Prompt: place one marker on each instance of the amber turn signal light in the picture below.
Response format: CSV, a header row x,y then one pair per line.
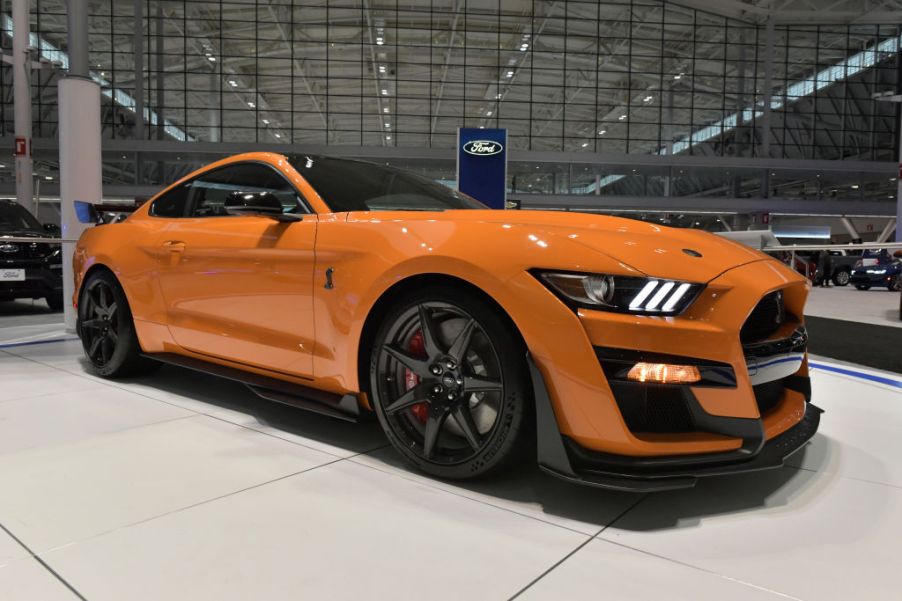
x,y
664,373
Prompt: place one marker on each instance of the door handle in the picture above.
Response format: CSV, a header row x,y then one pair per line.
x,y
174,246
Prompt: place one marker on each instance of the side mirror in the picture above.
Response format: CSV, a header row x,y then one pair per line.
x,y
264,204
52,229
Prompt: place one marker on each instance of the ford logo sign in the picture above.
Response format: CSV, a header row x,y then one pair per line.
x,y
483,148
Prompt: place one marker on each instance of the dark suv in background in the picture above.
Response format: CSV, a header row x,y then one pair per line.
x,y
29,269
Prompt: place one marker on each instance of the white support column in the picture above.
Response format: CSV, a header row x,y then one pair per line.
x,y
22,104
79,135
850,228
891,224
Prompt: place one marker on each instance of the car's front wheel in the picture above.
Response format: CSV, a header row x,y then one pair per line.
x,y
841,278
107,329
55,302
449,384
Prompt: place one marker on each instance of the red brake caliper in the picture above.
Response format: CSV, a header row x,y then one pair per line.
x,y
417,348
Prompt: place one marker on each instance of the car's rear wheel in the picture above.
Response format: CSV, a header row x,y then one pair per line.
x,y
108,330
841,278
862,286
449,384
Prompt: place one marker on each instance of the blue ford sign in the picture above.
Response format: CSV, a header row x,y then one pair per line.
x,y
482,164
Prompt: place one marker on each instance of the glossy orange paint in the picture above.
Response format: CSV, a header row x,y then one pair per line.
x,y
250,292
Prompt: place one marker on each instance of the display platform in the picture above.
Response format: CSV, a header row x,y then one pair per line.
x,y
184,486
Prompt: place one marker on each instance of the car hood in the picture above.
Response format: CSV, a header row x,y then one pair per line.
x,y
655,250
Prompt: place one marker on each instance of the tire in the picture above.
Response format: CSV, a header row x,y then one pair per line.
x,y
841,278
107,329
55,303
862,286
453,395
896,284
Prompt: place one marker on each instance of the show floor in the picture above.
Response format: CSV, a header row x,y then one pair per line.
x,y
183,486
877,306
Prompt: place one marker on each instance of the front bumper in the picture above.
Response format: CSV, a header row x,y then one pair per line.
x,y
871,279
562,457
40,281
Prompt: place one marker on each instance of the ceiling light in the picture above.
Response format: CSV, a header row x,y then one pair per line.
x,y
524,47
381,68
509,74
585,144
48,177
854,186
384,92
602,132
679,76
648,98
212,59
278,135
388,125
385,110
266,122
251,104
488,113
233,83
388,137
622,118
379,41
498,96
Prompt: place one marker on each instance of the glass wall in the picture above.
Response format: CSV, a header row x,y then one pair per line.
x,y
610,76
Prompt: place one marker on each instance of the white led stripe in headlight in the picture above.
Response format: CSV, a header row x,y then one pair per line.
x,y
643,294
659,296
676,297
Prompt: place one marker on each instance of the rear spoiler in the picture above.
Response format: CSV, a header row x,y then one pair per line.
x,y
104,212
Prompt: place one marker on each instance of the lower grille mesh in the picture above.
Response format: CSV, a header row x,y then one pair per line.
x,y
653,409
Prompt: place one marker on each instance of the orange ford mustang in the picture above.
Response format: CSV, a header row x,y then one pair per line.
x,y
623,354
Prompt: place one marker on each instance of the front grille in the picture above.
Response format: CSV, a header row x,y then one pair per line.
x,y
766,318
23,250
768,395
653,408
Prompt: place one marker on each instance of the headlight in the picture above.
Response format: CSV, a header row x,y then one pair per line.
x,y
626,294
877,271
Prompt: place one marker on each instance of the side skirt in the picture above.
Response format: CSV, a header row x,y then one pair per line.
x,y
343,407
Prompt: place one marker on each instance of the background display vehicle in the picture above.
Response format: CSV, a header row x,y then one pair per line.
x,y
886,274
29,270
623,354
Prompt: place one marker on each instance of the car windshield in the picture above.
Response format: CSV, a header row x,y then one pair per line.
x,y
16,217
347,185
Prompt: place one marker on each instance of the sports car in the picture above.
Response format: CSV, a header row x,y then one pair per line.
x,y
613,352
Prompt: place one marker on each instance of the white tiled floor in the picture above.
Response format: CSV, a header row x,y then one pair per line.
x,y
183,486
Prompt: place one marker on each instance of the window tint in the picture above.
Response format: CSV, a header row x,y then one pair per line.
x,y
171,204
347,185
210,191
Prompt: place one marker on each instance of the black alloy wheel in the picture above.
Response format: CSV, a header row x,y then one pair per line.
x,y
107,329
100,328
448,384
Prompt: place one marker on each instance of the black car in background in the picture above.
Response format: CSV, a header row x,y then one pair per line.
x,y
29,269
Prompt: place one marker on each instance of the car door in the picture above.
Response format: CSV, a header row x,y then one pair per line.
x,y
239,287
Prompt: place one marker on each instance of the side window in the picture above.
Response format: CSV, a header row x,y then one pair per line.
x,y
171,204
210,191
